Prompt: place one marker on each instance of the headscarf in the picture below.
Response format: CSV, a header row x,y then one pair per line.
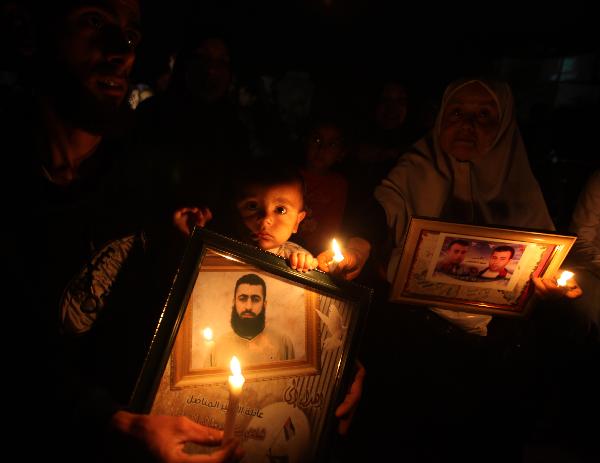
x,y
497,188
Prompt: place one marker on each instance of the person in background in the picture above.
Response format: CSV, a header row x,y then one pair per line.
x,y
326,186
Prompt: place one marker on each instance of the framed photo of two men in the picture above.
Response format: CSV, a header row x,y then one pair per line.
x,y
477,269
294,335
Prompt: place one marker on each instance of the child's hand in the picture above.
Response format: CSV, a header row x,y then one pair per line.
x,y
303,261
548,289
185,218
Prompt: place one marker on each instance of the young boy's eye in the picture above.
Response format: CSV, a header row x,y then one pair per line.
x,y
251,206
280,210
94,20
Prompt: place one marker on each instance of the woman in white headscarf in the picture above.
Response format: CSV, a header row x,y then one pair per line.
x,y
471,168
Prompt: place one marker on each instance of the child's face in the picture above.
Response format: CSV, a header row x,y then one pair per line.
x,y
325,147
271,214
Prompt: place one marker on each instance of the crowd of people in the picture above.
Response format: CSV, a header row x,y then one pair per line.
x,y
102,193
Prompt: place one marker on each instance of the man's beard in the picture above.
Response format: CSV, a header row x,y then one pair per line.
x,y
80,107
248,327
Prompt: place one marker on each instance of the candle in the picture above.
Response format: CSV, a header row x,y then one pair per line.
x,y
209,344
236,382
337,256
565,276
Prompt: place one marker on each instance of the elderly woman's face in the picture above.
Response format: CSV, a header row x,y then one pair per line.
x,y
470,123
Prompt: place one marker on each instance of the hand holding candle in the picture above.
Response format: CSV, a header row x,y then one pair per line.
x,y
351,263
236,383
564,286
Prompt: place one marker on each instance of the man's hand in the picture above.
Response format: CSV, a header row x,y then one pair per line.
x,y
185,218
345,411
303,261
164,437
355,254
548,289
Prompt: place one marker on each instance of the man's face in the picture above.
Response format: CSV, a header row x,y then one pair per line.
x,y
95,55
271,214
470,123
498,260
249,300
456,253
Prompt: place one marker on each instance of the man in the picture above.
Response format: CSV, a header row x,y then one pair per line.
x,y
451,264
64,198
71,182
251,341
501,256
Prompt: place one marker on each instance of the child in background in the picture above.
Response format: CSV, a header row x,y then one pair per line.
x,y
326,188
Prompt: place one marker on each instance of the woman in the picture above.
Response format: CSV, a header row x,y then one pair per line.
x,y
471,168
457,394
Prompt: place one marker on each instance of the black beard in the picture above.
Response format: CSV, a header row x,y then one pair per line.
x,y
248,327
78,106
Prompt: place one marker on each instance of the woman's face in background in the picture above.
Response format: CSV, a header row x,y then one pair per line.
x,y
470,123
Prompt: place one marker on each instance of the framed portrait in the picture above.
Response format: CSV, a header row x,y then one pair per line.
x,y
294,334
474,268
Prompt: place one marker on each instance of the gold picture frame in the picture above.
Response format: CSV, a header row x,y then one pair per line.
x,y
427,277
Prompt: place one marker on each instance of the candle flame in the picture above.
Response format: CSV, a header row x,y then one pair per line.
x,y
234,365
236,380
207,333
337,252
564,277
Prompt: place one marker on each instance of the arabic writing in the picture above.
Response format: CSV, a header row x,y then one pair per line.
x,y
301,399
241,410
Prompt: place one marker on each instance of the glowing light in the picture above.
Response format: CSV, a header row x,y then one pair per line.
x,y
207,333
337,252
564,278
236,380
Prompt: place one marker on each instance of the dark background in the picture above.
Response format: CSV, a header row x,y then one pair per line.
x,y
549,54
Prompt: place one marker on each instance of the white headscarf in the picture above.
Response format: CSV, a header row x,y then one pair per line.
x,y
497,188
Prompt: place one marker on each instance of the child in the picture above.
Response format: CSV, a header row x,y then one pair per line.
x,y
268,207
265,208
326,188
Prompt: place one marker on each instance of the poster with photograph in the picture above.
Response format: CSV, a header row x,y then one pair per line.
x,y
475,269
293,334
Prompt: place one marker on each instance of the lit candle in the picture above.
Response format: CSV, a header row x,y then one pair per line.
x,y
209,344
236,382
564,278
337,256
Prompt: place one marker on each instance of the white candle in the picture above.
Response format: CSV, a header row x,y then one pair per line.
x,y
564,278
236,382
209,344
337,256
